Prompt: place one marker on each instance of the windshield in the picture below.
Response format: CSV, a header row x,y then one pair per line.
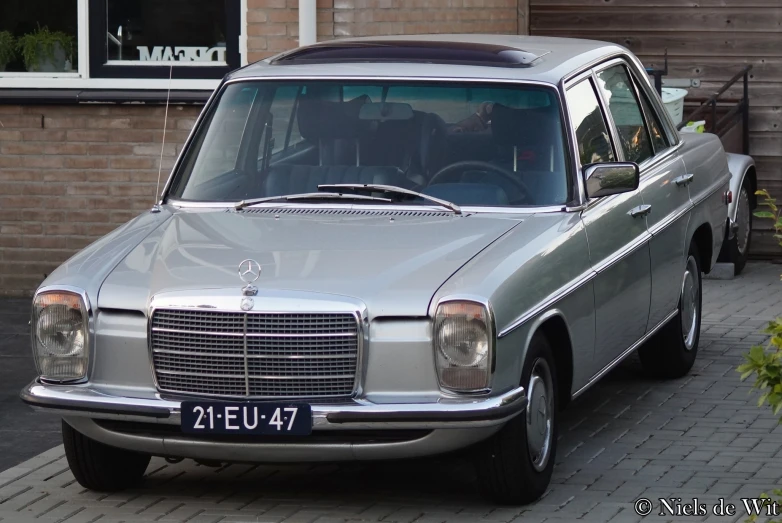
x,y
470,144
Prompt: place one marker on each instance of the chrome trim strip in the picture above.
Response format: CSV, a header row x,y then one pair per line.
x,y
179,204
246,362
587,68
259,377
706,194
187,144
395,78
258,356
663,224
550,300
623,253
594,379
260,335
447,412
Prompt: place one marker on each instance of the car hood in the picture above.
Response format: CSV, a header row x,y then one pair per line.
x,y
392,262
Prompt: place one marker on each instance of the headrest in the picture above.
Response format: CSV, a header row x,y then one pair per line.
x,y
523,126
320,119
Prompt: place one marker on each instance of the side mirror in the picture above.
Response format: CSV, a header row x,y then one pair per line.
x,y
605,179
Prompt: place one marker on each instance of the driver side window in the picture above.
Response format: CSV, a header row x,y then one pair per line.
x,y
592,137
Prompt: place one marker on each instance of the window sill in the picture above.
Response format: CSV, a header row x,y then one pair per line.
x,y
28,96
48,81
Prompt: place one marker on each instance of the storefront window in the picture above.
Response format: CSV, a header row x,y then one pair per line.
x,y
145,38
39,36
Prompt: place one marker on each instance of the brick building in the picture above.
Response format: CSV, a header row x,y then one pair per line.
x,y
81,129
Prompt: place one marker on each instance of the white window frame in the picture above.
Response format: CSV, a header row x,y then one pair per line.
x,y
82,80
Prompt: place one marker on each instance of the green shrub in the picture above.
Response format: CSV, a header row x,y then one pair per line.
x,y
765,363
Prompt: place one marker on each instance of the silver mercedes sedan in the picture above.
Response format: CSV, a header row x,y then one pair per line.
x,y
388,248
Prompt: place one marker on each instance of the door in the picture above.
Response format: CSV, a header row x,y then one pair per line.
x,y
617,236
663,184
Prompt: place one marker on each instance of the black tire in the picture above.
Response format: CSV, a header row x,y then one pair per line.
x,y
732,251
100,467
670,353
505,466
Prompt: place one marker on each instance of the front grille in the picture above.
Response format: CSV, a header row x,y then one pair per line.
x,y
257,355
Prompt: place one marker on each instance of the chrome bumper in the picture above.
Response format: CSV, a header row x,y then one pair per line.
x,y
463,412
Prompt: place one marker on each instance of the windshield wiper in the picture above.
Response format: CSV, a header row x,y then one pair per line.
x,y
389,189
309,196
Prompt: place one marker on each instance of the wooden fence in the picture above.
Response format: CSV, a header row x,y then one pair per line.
x,y
708,40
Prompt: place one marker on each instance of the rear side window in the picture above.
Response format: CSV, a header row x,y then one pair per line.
x,y
594,143
617,90
659,140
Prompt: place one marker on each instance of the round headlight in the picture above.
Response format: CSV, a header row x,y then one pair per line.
x,y
463,342
59,328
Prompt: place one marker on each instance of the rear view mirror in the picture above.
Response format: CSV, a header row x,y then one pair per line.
x,y
605,179
382,111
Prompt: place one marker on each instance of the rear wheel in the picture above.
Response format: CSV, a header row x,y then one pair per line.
x,y
672,351
515,465
100,467
736,251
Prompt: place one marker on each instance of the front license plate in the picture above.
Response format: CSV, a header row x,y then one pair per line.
x,y
213,417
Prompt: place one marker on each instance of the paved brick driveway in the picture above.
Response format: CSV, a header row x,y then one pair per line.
x,y
629,437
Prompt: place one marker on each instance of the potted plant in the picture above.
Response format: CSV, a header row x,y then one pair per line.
x,y
7,49
44,50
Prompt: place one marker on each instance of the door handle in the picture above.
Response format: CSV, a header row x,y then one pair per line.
x,y
641,210
684,180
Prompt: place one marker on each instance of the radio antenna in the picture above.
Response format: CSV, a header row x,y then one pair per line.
x,y
156,206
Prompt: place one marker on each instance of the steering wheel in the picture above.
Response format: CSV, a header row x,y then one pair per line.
x,y
467,165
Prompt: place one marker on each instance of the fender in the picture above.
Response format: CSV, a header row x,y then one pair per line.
x,y
739,165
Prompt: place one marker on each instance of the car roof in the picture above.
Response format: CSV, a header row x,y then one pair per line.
x,y
530,58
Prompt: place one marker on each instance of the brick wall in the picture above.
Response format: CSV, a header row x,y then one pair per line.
x,y
69,175
273,24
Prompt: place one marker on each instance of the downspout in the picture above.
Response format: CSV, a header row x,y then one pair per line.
x,y
308,29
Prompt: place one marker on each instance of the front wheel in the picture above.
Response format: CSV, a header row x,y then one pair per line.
x,y
672,351
515,465
99,467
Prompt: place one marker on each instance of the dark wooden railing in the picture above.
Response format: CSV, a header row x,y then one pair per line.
x,y
730,119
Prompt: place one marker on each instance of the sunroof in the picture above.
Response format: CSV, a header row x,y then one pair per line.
x,y
461,53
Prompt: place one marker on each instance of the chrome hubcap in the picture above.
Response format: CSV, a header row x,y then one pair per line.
x,y
690,303
742,221
539,414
